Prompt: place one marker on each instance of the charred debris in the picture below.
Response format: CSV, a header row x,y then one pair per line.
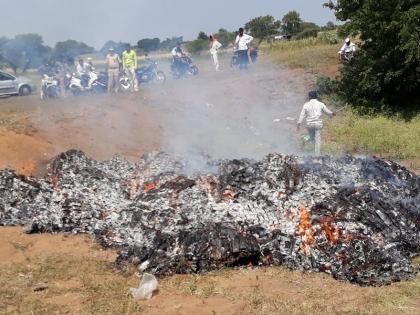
x,y
357,219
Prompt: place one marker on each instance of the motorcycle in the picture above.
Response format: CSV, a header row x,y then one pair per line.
x,y
183,67
50,87
149,73
346,56
80,84
234,61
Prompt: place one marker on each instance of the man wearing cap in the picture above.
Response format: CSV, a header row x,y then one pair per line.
x,y
312,112
129,61
347,48
113,66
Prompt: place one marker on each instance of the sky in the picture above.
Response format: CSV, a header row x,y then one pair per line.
x,y
96,21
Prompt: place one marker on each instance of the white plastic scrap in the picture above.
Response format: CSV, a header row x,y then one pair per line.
x,y
147,286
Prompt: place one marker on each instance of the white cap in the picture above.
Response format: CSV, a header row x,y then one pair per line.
x,y
347,40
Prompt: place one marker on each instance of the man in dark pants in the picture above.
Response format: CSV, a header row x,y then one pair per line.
x,y
241,45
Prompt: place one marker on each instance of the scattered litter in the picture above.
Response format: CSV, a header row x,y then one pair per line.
x,y
147,286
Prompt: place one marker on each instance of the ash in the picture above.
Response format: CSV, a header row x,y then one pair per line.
x,y
355,218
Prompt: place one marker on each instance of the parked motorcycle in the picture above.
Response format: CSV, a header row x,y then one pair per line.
x,y
80,84
253,54
149,73
50,87
183,67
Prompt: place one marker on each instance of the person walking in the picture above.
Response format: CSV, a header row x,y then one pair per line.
x,y
214,49
242,45
113,67
129,60
312,112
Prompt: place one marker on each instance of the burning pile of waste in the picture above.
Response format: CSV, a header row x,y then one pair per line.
x,y
355,218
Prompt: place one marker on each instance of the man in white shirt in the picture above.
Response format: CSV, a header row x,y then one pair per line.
x,y
214,49
347,50
312,112
178,61
241,45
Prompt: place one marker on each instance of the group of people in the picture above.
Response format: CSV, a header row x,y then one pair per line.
x,y
241,47
114,65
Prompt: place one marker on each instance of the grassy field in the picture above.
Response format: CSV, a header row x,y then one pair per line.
x,y
382,135
319,54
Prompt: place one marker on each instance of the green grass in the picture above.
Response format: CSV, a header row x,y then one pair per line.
x,y
386,136
314,53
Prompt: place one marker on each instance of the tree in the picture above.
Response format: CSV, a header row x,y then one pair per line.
x,y
197,45
202,36
169,43
263,27
291,23
149,44
385,70
225,37
23,52
69,49
119,47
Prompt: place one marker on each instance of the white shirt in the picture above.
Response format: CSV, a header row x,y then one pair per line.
x,y
312,111
176,52
347,48
242,42
215,46
82,69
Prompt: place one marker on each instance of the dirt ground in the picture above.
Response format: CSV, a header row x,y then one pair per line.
x,y
77,277
226,114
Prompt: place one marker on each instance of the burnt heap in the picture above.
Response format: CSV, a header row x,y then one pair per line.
x,y
355,218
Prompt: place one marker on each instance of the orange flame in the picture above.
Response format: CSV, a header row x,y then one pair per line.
x,y
149,186
305,230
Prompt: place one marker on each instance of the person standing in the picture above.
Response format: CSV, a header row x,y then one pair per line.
x,y
129,61
214,48
113,66
312,112
242,45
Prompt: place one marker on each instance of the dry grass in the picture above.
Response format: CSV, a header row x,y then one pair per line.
x,y
311,53
80,285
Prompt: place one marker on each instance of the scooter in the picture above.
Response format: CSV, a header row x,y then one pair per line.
x,y
50,87
80,84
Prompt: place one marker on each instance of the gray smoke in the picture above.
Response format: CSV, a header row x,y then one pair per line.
x,y
231,114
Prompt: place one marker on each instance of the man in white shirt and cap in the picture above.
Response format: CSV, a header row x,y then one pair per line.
x,y
312,112
347,50
241,45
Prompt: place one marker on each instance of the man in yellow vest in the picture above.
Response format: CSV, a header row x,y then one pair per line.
x,y
129,60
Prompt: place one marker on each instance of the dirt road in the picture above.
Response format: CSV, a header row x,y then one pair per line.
x,y
221,115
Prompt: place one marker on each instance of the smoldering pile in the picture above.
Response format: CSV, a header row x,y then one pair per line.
x,y
355,218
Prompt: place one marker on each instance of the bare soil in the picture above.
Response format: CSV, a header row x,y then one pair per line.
x,y
80,279
215,113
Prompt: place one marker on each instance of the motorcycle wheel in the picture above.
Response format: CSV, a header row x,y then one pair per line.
x,y
75,91
160,77
125,84
193,70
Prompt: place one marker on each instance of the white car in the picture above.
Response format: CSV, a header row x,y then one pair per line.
x,y
11,85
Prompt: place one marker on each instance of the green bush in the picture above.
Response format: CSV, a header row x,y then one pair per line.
x,y
307,33
198,45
